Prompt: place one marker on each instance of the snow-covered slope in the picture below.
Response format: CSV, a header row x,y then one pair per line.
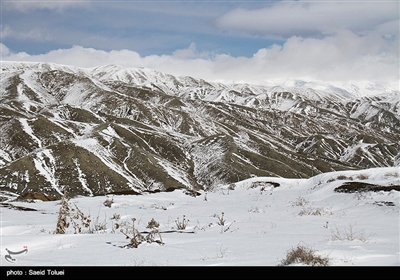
x,y
128,130
255,222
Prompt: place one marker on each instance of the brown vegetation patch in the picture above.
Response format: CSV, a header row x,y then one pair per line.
x,y
304,255
352,187
384,203
124,192
35,196
20,208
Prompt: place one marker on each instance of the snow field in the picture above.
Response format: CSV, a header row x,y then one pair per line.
x,y
259,225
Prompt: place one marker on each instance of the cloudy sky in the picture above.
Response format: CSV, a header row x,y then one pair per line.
x,y
241,41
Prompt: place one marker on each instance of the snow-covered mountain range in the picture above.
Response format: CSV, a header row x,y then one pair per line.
x,y
127,130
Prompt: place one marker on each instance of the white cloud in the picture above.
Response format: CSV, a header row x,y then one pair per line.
x,y
289,18
35,34
344,56
4,51
53,5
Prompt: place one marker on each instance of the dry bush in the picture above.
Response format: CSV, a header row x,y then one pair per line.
x,y
220,254
181,224
392,174
343,177
254,209
222,222
300,201
313,212
136,237
63,214
362,177
98,226
304,255
362,195
151,236
348,233
68,215
116,217
108,202
331,180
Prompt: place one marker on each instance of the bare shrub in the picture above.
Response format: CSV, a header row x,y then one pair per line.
x,y
181,224
313,212
220,254
68,215
203,228
157,206
153,226
63,214
116,217
343,177
254,209
300,201
136,237
222,222
108,202
348,233
392,174
304,255
98,226
362,195
362,177
384,203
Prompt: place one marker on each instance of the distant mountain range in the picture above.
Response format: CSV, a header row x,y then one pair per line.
x,y
110,129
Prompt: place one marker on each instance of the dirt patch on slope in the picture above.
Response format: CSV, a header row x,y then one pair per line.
x,y
352,187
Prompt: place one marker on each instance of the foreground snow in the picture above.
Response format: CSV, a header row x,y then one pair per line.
x,y
262,224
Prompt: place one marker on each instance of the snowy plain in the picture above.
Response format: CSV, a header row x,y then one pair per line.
x,y
260,224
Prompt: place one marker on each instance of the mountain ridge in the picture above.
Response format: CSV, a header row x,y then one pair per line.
x,y
109,129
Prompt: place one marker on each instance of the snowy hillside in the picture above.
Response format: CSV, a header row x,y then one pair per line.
x,y
114,130
255,222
